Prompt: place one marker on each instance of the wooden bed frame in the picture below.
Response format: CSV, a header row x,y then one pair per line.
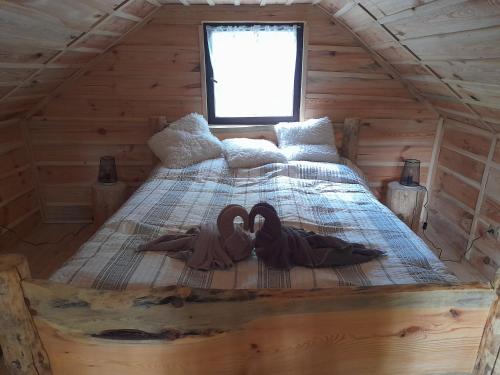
x,y
48,328
54,329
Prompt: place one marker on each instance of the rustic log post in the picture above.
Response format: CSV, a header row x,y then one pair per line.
x,y
21,346
489,349
350,138
406,202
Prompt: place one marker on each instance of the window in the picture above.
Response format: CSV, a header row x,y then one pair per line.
x,y
253,72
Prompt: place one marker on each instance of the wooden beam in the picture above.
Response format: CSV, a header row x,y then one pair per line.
x,y
431,175
22,349
351,138
84,327
480,198
127,16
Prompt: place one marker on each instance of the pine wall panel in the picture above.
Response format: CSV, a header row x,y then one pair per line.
x,y
465,201
19,205
156,71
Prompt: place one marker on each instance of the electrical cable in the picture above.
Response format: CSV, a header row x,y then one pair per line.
x,y
424,227
36,244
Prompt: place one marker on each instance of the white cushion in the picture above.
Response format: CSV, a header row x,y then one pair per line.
x,y
193,123
322,153
312,132
251,153
178,149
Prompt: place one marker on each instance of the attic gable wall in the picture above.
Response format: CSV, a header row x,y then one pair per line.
x,y
156,71
43,43
449,51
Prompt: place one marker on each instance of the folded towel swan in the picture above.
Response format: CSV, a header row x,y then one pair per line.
x,y
283,247
209,246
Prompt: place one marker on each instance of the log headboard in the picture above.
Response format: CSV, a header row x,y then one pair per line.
x,y
347,142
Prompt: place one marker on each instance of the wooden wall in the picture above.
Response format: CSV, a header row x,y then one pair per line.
x,y
446,51
465,199
156,71
19,205
43,43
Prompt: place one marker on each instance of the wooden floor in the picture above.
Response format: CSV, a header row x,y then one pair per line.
x,y
56,243
65,239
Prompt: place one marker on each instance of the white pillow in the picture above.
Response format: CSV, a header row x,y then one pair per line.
x,y
250,153
178,149
192,123
311,132
323,153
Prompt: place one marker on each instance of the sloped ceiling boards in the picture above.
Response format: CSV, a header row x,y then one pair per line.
x,y
447,50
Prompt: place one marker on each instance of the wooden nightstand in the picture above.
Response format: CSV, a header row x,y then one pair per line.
x,y
106,199
406,202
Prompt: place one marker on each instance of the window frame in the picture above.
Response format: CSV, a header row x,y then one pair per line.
x,y
209,84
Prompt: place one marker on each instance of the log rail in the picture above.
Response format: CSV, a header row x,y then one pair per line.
x,y
411,329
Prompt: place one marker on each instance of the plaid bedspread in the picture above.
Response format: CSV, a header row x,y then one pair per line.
x,y
323,197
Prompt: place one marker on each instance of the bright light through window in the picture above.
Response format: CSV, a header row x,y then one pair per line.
x,y
252,71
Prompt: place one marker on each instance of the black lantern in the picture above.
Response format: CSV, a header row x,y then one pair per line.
x,y
411,173
107,170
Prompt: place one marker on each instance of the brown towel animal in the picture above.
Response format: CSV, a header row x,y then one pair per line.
x,y
208,246
283,247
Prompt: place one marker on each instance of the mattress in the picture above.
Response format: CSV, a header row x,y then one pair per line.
x,y
330,199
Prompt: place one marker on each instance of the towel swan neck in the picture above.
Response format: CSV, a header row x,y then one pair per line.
x,y
225,220
272,222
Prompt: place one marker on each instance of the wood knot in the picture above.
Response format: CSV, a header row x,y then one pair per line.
x,y
16,364
101,131
454,313
410,330
255,347
486,260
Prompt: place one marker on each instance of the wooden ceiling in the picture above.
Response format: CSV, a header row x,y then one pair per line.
x,y
447,52
45,42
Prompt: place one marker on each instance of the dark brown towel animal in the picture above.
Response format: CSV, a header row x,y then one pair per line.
x,y
283,247
209,246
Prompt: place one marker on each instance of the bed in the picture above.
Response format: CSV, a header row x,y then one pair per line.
x,y
112,310
323,197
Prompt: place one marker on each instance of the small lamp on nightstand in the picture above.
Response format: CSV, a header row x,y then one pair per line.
x,y
410,176
405,197
107,170
108,194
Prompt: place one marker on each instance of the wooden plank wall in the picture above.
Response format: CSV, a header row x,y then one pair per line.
x,y
19,204
43,43
465,200
156,71
448,51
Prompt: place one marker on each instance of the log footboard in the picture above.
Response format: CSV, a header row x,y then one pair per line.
x,y
413,329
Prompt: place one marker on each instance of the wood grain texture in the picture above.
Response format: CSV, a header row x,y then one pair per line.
x,y
18,201
406,202
157,71
180,330
55,36
436,41
466,198
22,350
